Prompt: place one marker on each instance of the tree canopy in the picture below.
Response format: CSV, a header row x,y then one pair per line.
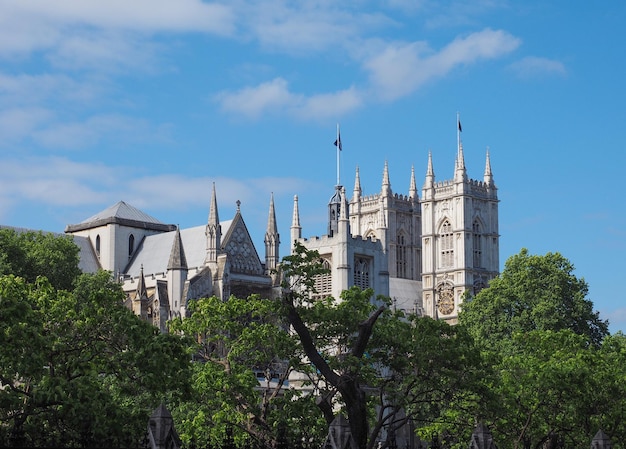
x,y
77,368
533,293
558,374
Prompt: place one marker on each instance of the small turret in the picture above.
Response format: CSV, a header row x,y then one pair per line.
x,y
356,196
460,174
213,231
430,173
386,187
272,240
412,186
488,177
296,229
334,210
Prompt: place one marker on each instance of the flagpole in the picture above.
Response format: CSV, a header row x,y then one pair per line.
x,y
458,133
338,150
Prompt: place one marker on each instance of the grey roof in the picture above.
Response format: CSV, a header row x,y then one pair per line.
x,y
124,211
124,214
88,262
154,251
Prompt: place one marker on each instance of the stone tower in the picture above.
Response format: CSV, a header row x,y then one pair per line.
x,y
460,240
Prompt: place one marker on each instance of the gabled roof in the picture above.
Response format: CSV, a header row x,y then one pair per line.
x,y
124,214
154,251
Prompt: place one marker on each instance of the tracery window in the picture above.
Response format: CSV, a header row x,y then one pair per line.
x,y
323,282
362,273
98,245
131,245
446,245
401,256
477,241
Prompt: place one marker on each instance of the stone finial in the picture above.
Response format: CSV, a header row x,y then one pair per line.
x,y
601,441
482,438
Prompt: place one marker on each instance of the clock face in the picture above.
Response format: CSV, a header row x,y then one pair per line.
x,y
446,302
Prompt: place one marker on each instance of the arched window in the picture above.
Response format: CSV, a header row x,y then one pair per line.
x,y
401,256
446,245
131,245
98,245
362,273
477,241
323,283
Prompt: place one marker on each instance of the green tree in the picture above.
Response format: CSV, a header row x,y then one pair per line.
x,y
559,372
30,254
382,367
244,356
77,368
533,293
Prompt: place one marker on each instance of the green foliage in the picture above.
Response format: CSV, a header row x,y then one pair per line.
x,y
244,355
77,367
31,254
533,293
381,367
558,373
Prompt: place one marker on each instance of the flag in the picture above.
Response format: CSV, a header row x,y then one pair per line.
x,y
459,122
338,141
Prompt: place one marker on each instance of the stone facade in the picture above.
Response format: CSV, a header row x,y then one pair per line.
x,y
162,267
424,253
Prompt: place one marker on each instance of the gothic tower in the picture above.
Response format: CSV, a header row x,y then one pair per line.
x,y
460,239
394,219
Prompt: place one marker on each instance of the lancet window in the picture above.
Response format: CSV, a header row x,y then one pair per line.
x,y
477,242
446,245
323,282
362,273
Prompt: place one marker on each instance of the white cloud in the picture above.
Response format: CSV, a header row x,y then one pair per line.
x,y
94,129
275,96
401,68
254,101
533,66
60,182
19,123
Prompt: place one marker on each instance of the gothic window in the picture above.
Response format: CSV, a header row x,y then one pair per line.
x,y
98,245
401,256
131,245
323,283
477,240
362,273
446,245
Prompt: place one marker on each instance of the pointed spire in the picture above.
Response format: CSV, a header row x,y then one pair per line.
x,y
272,228
141,291
460,173
412,186
177,261
430,173
488,178
213,214
343,210
296,229
386,188
213,231
272,239
295,221
357,185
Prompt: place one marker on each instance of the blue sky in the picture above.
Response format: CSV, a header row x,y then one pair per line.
x,y
151,101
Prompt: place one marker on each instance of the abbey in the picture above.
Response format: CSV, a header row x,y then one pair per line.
x,y
422,252
162,267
